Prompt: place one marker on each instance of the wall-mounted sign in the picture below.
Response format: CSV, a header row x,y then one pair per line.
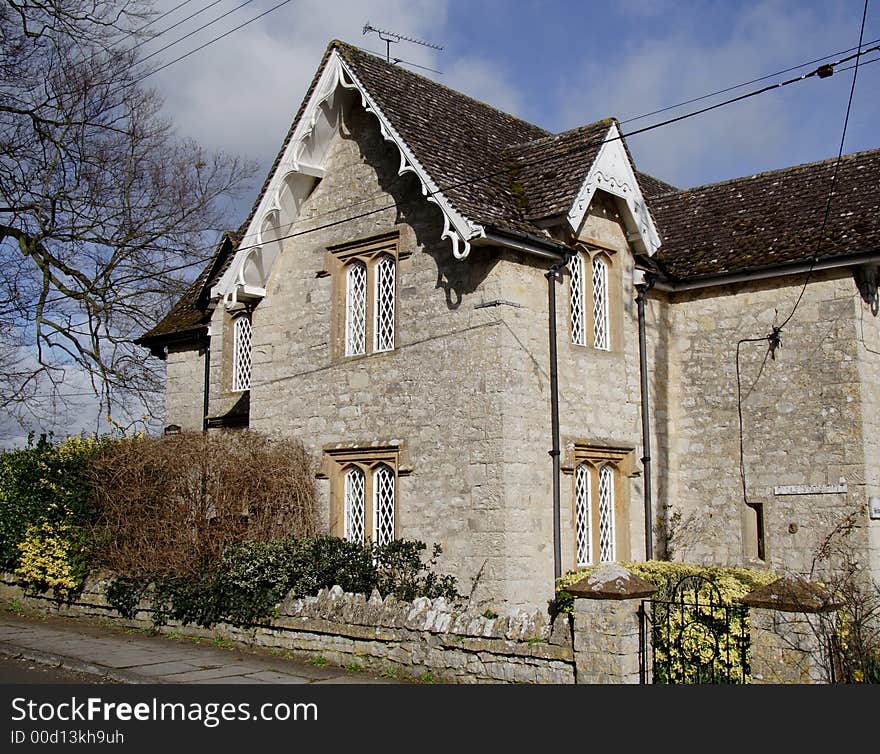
x,y
811,489
874,506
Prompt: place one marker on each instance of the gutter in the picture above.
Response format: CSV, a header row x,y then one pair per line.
x,y
761,273
543,248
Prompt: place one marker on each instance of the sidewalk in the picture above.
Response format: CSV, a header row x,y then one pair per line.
x,y
116,655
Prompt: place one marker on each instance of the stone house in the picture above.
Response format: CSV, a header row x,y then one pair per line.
x,y
387,301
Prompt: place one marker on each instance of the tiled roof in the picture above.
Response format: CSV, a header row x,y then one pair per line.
x,y
770,219
456,138
188,314
547,173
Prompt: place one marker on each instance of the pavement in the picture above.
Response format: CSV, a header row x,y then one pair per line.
x,y
116,655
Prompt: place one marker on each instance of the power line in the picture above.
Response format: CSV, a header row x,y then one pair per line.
x,y
822,72
739,86
773,339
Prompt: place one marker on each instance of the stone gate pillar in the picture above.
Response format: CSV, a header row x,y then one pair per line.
x,y
790,624
606,625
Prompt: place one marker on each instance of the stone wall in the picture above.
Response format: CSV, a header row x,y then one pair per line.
x,y
802,418
451,643
184,387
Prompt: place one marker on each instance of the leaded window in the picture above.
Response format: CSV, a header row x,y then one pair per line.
x,y
383,305
601,324
355,309
383,505
355,504
583,515
599,502
606,514
578,315
241,349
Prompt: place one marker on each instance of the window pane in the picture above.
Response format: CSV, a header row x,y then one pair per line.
x,y
578,331
383,505
583,515
383,338
355,309
354,505
600,304
241,360
606,514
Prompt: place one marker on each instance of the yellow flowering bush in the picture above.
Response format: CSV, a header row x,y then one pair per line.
x,y
45,508
50,557
691,644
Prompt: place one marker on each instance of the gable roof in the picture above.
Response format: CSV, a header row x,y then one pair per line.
x,y
770,219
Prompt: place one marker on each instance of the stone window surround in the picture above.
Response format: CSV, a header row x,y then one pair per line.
x,y
589,250
622,461
338,459
369,251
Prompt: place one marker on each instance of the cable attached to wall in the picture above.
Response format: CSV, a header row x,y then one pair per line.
x,y
774,337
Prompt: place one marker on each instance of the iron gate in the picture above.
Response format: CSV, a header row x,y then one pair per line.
x,y
693,637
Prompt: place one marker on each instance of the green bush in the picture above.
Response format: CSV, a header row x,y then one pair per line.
x,y
253,577
45,513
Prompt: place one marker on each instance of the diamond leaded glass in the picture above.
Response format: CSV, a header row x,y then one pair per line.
x,y
600,304
241,348
383,337
356,309
583,514
383,505
578,331
606,514
355,504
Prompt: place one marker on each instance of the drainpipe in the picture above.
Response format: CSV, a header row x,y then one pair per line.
x,y
644,282
552,276
207,344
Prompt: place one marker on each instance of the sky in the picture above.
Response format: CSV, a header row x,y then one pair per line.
x,y
556,64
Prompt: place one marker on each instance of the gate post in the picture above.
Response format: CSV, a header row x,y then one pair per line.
x,y
606,625
790,630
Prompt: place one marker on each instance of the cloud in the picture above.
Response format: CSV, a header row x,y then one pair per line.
x,y
677,61
241,94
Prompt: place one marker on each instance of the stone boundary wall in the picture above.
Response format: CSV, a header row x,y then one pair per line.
x,y
452,643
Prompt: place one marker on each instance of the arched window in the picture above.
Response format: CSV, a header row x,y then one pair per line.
x,y
383,505
578,313
600,499
355,309
583,515
355,504
383,305
241,353
606,514
601,320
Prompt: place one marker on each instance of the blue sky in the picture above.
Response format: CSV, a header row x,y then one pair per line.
x,y
559,65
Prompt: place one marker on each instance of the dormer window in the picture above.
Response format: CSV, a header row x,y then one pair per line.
x,y
590,299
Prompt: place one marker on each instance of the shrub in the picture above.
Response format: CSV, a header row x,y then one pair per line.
x,y
45,510
170,507
252,578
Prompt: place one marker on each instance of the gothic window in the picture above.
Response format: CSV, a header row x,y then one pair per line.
x,y
599,504
355,308
368,295
364,490
590,299
383,305
578,315
601,322
241,353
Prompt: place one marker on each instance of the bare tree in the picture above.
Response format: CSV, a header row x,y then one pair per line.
x,y
104,212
